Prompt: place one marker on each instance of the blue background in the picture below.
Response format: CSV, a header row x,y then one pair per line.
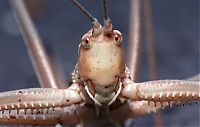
x,y
61,25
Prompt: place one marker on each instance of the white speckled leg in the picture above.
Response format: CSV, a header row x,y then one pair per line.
x,y
162,90
37,98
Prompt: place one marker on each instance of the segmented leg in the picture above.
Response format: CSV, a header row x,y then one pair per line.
x,y
37,98
39,106
162,90
34,45
44,116
134,39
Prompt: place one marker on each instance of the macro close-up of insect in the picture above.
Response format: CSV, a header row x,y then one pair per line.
x,y
111,63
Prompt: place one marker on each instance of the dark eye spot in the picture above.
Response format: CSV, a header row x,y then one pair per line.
x,y
20,92
86,41
116,38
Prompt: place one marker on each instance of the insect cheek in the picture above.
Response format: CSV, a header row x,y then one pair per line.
x,y
86,42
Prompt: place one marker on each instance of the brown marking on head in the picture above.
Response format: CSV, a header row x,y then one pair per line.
x,y
102,57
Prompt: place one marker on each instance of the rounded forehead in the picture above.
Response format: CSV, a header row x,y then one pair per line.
x,y
89,33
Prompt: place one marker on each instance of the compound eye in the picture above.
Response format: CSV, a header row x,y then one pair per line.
x,y
86,42
118,37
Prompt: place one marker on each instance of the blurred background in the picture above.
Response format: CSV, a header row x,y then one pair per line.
x,y
61,26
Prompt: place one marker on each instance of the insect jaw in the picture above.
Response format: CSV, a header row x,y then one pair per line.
x,y
104,99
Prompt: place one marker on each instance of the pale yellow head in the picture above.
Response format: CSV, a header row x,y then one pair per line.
x,y
101,57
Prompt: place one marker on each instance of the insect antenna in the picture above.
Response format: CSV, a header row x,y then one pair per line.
x,y
95,22
107,22
105,9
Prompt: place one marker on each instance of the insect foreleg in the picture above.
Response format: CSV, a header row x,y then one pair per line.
x,y
162,90
36,98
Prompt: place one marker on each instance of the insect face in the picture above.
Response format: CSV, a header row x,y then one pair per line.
x,y
101,58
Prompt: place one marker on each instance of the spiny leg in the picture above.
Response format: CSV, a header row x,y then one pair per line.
x,y
162,90
34,45
37,98
41,117
40,106
148,97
